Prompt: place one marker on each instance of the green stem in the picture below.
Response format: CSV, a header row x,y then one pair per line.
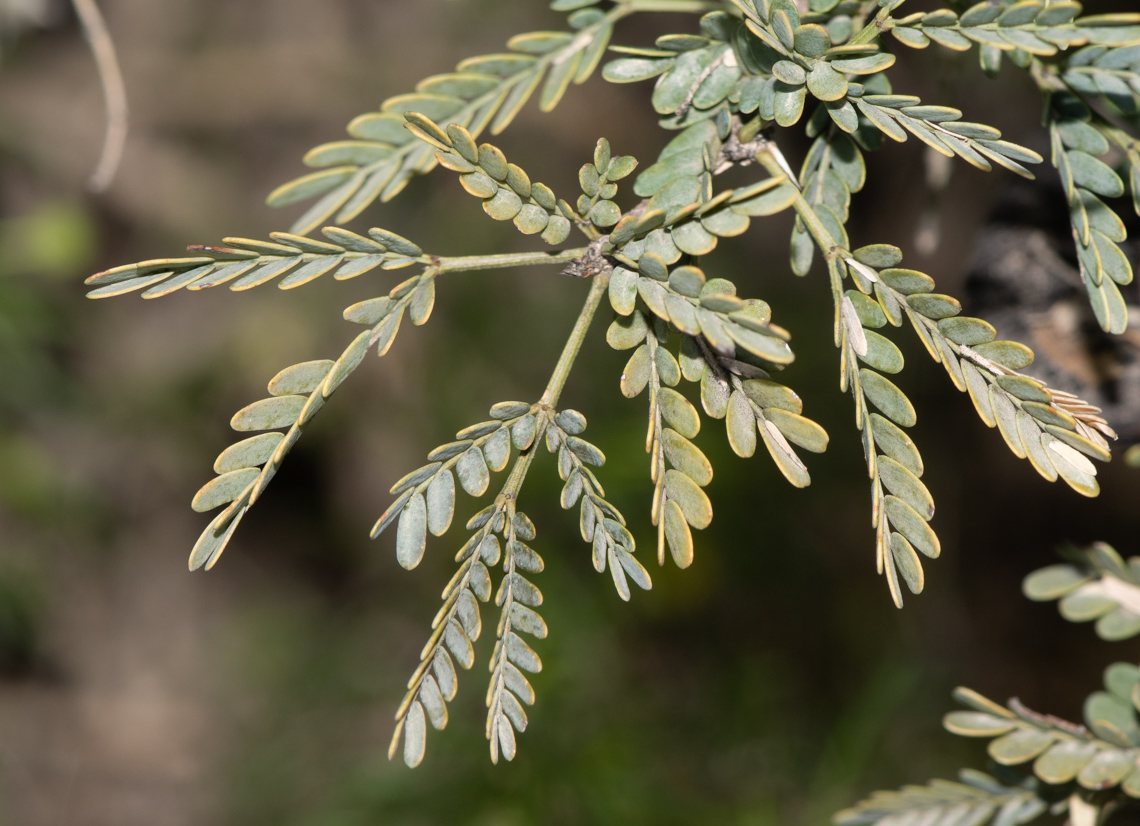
x,y
874,28
774,162
574,343
514,483
470,263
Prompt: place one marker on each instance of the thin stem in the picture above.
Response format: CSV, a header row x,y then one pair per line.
x,y
653,445
874,28
114,93
685,6
469,263
574,343
557,381
514,482
773,160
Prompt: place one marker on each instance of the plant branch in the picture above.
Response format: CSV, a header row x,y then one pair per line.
x,y
574,343
683,6
873,28
774,162
471,263
114,93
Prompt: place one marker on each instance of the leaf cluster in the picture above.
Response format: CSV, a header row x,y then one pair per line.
x,y
748,69
1047,763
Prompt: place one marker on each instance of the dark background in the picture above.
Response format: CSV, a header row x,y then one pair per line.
x,y
772,682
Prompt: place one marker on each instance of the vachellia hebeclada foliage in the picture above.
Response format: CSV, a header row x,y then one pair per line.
x,y
726,88
1043,764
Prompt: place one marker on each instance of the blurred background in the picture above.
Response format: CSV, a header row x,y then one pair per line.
x,y
771,683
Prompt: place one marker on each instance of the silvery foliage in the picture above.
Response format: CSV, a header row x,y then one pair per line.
x,y
725,90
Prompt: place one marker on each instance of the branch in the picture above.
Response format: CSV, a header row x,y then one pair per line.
x,y
114,93
382,159
457,623
1046,425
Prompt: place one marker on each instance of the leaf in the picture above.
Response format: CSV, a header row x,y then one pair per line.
x,y
799,431
679,413
909,565
422,301
788,72
300,379
459,644
432,700
1020,746
771,394
440,500
969,331
1094,175
789,103
1011,354
686,457
1062,761
911,524
585,451
1053,582
868,65
636,374
977,724
678,535
690,498
887,397
269,414
896,444
471,468
411,533
634,69
741,424
906,486
782,454
414,478
767,347
971,698
224,489
675,85
415,735
1106,769
1102,708
769,202
497,450
913,38
827,84
248,453
1083,605
934,306
521,654
1119,624
907,282
882,354
623,291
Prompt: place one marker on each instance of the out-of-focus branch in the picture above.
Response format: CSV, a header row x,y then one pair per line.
x,y
114,93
